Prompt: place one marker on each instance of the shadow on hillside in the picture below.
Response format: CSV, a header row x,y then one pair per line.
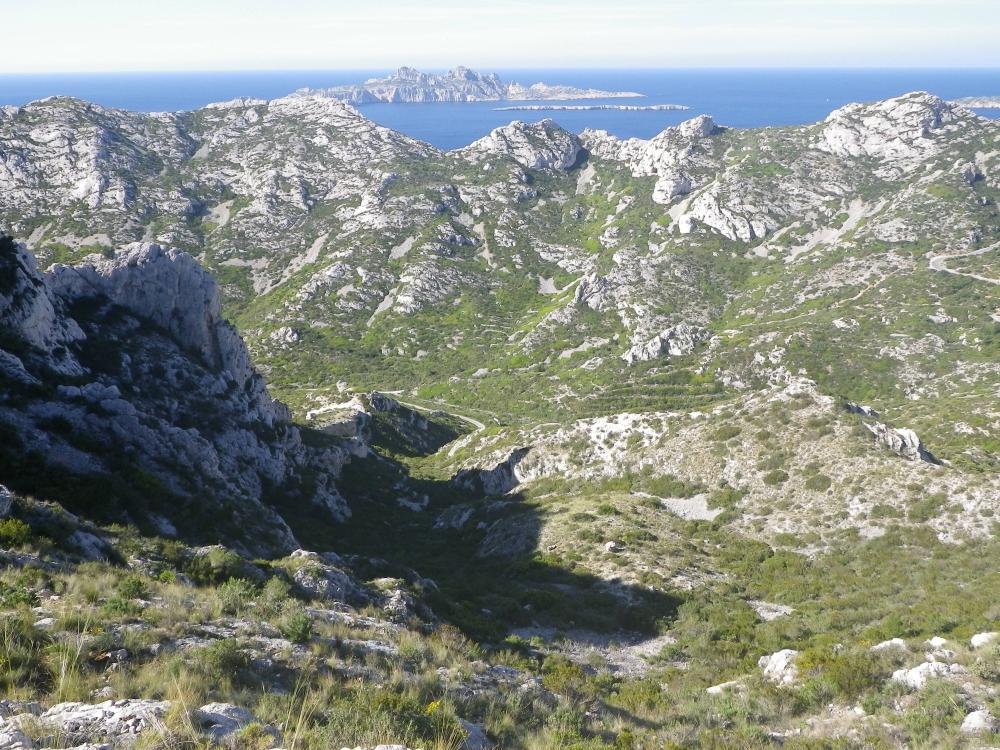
x,y
481,553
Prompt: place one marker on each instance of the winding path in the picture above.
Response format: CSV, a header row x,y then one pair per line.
x,y
937,263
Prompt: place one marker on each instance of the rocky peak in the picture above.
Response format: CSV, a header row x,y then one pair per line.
x,y
676,155
540,145
899,132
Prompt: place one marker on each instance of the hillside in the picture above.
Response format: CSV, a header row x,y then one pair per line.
x,y
683,442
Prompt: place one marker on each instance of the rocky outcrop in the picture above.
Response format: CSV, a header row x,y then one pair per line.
x,y
902,441
114,723
541,145
678,156
979,722
497,480
457,85
124,367
898,133
675,341
320,576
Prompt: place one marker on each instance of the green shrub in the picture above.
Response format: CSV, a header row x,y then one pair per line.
x,y
819,483
939,707
726,432
14,532
775,477
235,596
133,587
17,596
22,656
297,626
223,659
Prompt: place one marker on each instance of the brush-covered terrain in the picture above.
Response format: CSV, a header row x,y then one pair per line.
x,y
589,442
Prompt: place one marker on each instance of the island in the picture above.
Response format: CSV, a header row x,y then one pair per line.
x,y
591,107
458,85
979,102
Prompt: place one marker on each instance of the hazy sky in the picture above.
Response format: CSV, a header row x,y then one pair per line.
x,y
99,35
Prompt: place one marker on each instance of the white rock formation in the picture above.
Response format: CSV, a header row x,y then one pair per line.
x,y
674,341
780,666
898,132
902,441
540,145
892,644
979,640
979,722
917,677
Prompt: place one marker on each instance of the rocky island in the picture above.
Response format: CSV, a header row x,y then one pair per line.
x,y
408,85
594,107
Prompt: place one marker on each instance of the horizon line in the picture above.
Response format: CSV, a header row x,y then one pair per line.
x,y
637,68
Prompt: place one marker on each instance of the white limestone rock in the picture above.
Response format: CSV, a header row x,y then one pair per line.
x,y
979,722
219,720
979,640
675,156
83,722
917,677
897,644
780,666
540,145
899,133
675,341
902,441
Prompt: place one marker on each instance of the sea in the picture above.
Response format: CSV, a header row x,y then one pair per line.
x,y
744,98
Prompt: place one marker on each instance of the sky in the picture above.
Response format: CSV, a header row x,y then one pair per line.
x,y
137,35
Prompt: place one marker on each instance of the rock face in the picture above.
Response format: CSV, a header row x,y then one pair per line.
x,y
124,367
541,145
457,85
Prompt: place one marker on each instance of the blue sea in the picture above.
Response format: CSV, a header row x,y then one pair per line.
x,y
738,98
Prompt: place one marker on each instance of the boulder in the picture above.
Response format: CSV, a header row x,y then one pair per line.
x,y
82,722
917,677
983,639
892,643
222,719
780,666
321,580
902,441
979,722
